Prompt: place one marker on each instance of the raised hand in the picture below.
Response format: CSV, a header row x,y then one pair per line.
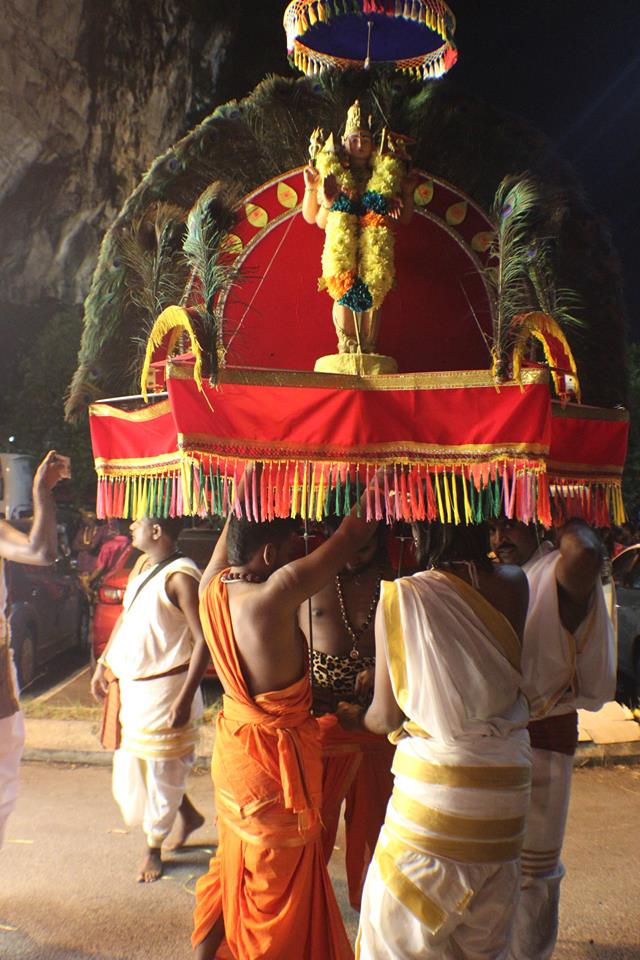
x,y
53,468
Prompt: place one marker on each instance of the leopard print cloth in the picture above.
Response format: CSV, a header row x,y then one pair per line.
x,y
338,674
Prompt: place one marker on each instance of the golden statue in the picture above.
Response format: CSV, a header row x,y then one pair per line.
x,y
355,193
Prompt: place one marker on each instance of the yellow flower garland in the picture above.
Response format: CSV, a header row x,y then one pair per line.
x,y
360,246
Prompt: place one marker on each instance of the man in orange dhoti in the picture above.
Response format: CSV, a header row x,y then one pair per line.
x,y
267,890
356,764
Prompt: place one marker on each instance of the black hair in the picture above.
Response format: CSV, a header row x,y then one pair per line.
x,y
245,537
171,526
438,543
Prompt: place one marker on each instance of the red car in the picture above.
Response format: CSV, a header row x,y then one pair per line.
x,y
197,543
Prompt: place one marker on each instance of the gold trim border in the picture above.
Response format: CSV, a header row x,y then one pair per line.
x,y
434,380
408,451
144,413
580,412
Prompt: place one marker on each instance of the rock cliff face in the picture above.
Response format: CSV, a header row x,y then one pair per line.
x,y
90,92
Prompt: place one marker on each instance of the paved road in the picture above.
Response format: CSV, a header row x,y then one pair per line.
x,y
67,889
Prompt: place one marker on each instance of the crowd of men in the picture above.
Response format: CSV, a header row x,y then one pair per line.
x,y
439,710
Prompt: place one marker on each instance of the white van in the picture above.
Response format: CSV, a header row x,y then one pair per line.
x,y
16,479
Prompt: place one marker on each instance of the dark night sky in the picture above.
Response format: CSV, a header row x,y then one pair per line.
x,y
571,68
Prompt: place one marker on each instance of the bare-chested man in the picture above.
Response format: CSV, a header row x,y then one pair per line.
x,y
356,764
37,547
267,889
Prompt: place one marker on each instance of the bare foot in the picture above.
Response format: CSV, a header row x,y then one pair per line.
x,y
188,820
151,867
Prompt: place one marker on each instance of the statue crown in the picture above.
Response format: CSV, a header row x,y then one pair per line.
x,y
355,120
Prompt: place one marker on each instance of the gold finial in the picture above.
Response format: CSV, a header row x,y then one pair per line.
x,y
355,120
315,143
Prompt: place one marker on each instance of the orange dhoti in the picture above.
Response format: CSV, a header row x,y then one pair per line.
x,y
356,771
268,878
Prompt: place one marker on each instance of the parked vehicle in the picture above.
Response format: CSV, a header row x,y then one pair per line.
x,y
47,610
626,575
196,543
16,479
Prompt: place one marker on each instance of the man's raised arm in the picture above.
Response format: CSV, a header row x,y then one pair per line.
x,y
40,545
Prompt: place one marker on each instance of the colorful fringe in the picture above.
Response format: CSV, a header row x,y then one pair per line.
x,y
453,493
301,15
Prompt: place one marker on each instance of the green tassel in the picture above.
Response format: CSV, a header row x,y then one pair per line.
x,y
189,510
358,505
479,516
497,495
338,506
214,490
347,494
202,496
327,496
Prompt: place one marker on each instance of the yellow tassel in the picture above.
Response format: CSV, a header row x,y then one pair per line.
x,y
438,496
295,493
320,501
454,488
303,505
173,320
312,15
467,502
447,495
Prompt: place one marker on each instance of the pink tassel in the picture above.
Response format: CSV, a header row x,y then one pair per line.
x,y
396,490
368,493
176,498
387,498
254,495
270,492
376,495
247,496
237,507
263,493
404,497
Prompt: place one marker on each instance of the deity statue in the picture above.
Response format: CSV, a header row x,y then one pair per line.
x,y
355,193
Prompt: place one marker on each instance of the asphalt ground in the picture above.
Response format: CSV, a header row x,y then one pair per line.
x,y
67,889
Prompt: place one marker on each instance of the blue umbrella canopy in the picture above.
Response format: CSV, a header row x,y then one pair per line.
x,y
412,36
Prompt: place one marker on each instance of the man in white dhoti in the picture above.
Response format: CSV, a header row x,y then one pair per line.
x,y
149,653
568,663
444,879
38,547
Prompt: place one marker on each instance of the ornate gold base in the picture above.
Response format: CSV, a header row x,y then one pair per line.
x,y
356,364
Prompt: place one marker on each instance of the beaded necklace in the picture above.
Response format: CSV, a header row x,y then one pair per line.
x,y
355,634
248,577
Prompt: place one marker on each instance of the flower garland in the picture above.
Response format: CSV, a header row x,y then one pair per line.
x,y
357,260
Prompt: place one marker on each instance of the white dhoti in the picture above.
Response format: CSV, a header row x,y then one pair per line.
x,y
151,767
444,879
536,925
11,747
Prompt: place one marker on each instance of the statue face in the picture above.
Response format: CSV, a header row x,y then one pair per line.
x,y
359,144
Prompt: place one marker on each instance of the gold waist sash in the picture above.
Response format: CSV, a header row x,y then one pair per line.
x,y
455,837
483,777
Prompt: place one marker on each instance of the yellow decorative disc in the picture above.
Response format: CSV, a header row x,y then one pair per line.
x,y
232,244
456,213
287,196
482,241
257,216
423,194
